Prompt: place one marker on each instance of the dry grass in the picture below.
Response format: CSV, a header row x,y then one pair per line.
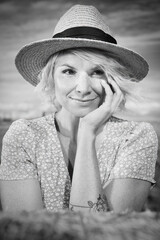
x,y
66,225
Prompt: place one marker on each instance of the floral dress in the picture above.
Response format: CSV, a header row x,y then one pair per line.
x,y
32,150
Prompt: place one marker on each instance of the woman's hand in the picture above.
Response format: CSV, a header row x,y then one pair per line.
x,y
113,98
87,189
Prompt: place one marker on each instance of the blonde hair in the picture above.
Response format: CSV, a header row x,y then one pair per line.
x,y
106,60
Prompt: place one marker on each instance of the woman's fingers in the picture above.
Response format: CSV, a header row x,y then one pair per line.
x,y
108,93
113,93
113,97
115,87
118,95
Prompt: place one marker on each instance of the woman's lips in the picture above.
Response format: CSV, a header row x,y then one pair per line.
x,y
83,100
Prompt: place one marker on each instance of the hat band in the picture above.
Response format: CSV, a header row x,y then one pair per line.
x,y
87,33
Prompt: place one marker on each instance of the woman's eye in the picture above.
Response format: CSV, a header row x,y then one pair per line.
x,y
68,71
98,72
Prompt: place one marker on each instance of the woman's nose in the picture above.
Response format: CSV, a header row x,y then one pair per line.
x,y
83,84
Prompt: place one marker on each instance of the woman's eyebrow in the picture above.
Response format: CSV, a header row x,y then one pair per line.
x,y
67,65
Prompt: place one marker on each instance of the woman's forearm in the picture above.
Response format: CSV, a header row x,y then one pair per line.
x,y
86,192
19,195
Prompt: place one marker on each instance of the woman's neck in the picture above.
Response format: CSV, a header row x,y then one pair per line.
x,y
67,124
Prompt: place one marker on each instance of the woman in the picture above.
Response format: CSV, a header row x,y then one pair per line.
x,y
80,157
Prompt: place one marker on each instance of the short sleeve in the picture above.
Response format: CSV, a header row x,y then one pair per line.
x,y
18,152
137,154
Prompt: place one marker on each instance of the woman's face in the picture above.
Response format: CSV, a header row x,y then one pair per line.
x,y
77,84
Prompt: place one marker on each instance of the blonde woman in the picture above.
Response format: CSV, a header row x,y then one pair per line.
x,y
80,157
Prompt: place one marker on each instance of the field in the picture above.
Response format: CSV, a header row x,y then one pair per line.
x,y
70,225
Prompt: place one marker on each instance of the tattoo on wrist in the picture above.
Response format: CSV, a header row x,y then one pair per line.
x,y
100,206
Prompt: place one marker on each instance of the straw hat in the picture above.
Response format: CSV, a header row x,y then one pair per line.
x,y
81,26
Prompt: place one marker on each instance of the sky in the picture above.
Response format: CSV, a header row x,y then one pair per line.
x,y
135,25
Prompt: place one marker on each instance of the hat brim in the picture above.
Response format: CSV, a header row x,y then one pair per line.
x,y
32,58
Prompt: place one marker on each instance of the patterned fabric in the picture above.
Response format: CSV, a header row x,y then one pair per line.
x,y
31,150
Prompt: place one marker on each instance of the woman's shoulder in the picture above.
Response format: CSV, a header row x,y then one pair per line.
x,y
134,128
141,125
24,128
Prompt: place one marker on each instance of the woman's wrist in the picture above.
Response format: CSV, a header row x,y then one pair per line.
x,y
86,128
86,132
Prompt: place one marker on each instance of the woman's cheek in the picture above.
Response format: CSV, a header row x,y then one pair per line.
x,y
64,83
62,89
100,91
97,87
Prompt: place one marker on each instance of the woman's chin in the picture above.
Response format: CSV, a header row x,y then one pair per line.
x,y
80,113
